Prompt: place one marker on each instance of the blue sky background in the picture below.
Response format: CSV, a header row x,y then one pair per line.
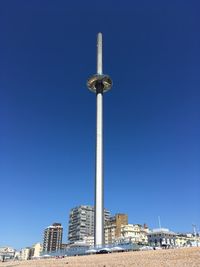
x,y
47,115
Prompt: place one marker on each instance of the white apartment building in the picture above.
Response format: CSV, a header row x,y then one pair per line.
x,y
81,223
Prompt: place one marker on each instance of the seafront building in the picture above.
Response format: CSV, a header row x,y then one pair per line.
x,y
52,240
182,240
37,250
113,227
135,233
7,252
162,237
185,240
81,224
26,253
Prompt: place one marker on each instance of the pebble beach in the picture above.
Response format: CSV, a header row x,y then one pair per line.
x,y
185,257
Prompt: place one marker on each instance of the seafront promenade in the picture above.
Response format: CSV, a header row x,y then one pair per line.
x,y
185,257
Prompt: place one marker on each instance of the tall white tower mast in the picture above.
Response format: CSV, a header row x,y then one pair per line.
x,y
99,83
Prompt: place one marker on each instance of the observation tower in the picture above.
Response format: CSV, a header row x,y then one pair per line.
x,y
99,84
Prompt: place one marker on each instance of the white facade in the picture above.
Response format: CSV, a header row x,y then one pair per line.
x,y
89,240
7,252
110,233
37,249
17,255
25,253
162,237
187,240
135,233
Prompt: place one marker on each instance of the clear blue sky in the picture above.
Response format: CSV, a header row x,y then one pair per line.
x,y
47,115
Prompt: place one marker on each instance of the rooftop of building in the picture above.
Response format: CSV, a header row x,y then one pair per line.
x,y
89,207
55,225
161,231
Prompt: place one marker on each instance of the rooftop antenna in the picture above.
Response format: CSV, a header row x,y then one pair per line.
x,y
195,233
159,223
194,229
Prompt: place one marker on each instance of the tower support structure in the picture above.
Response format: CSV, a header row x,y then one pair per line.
x,y
99,83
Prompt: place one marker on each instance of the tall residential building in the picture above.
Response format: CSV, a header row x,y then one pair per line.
x,y
113,227
53,237
81,223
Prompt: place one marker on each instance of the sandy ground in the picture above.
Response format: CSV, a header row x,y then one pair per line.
x,y
187,257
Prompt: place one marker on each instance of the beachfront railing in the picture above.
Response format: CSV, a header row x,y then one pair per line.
x,y
85,250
